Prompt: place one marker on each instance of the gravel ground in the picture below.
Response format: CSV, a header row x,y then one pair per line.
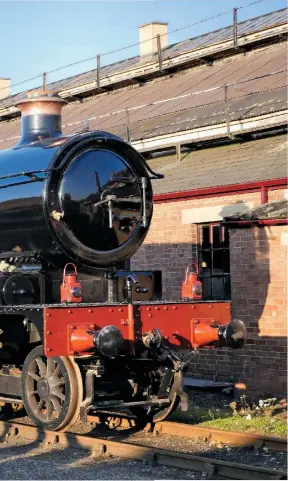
x,y
217,399
214,450
195,446
20,459
221,399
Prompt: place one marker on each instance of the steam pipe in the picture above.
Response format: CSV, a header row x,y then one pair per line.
x,y
130,280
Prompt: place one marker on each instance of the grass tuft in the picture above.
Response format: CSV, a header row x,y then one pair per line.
x,y
270,421
256,425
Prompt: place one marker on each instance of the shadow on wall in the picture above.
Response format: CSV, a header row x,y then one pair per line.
x,y
257,267
171,259
261,364
250,272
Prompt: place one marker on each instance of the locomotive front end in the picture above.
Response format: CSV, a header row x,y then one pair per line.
x,y
88,198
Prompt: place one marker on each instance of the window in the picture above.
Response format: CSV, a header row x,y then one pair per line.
x,y
214,261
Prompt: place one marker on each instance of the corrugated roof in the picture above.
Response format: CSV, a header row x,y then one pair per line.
x,y
248,99
245,28
251,161
271,210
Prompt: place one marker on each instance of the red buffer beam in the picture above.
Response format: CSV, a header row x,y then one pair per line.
x,y
73,331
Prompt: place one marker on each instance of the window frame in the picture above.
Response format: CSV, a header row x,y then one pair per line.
x,y
226,276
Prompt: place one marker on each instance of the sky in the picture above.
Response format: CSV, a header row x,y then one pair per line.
x,y
38,36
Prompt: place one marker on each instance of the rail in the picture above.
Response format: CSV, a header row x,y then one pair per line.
x,y
208,434
102,447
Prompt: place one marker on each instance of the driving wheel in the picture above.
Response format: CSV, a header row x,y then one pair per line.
x,y
51,390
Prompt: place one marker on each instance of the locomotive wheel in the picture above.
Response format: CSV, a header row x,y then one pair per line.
x,y
162,414
154,414
174,396
51,390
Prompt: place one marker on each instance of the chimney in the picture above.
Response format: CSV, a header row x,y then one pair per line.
x,y
148,35
40,116
5,90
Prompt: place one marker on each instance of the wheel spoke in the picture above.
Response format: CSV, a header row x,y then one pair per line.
x,y
57,371
56,404
55,376
49,409
50,367
60,383
41,365
51,390
57,392
34,376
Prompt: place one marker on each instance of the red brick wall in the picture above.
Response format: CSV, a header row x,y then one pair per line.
x,y
258,279
170,245
259,297
276,194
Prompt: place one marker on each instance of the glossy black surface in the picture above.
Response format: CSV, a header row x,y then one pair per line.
x,y
22,222
79,200
118,245
81,172
18,289
38,127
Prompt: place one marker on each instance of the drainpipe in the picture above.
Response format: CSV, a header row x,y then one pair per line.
x,y
264,195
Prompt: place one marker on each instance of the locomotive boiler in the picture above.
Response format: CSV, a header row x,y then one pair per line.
x,y
101,338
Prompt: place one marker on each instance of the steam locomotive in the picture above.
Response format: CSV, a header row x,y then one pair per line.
x,y
80,331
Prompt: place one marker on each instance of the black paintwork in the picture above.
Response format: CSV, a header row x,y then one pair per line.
x,y
76,172
38,127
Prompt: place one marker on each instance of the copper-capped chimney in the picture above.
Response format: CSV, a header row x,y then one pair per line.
x,y
41,116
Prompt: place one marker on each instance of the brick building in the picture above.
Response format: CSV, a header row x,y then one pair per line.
x,y
211,114
258,264
247,265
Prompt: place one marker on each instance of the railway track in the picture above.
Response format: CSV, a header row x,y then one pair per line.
x,y
102,447
208,434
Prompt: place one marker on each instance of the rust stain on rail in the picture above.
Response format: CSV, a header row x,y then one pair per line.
x,y
101,447
272,443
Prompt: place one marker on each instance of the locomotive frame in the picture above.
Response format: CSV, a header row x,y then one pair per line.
x,y
63,332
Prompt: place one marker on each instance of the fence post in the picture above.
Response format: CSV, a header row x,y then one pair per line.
x,y
235,27
227,111
178,152
159,51
128,126
86,125
44,80
98,71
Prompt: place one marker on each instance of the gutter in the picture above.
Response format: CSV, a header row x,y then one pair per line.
x,y
214,131
258,186
253,222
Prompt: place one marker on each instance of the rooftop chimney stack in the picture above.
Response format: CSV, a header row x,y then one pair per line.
x,y
5,88
148,37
